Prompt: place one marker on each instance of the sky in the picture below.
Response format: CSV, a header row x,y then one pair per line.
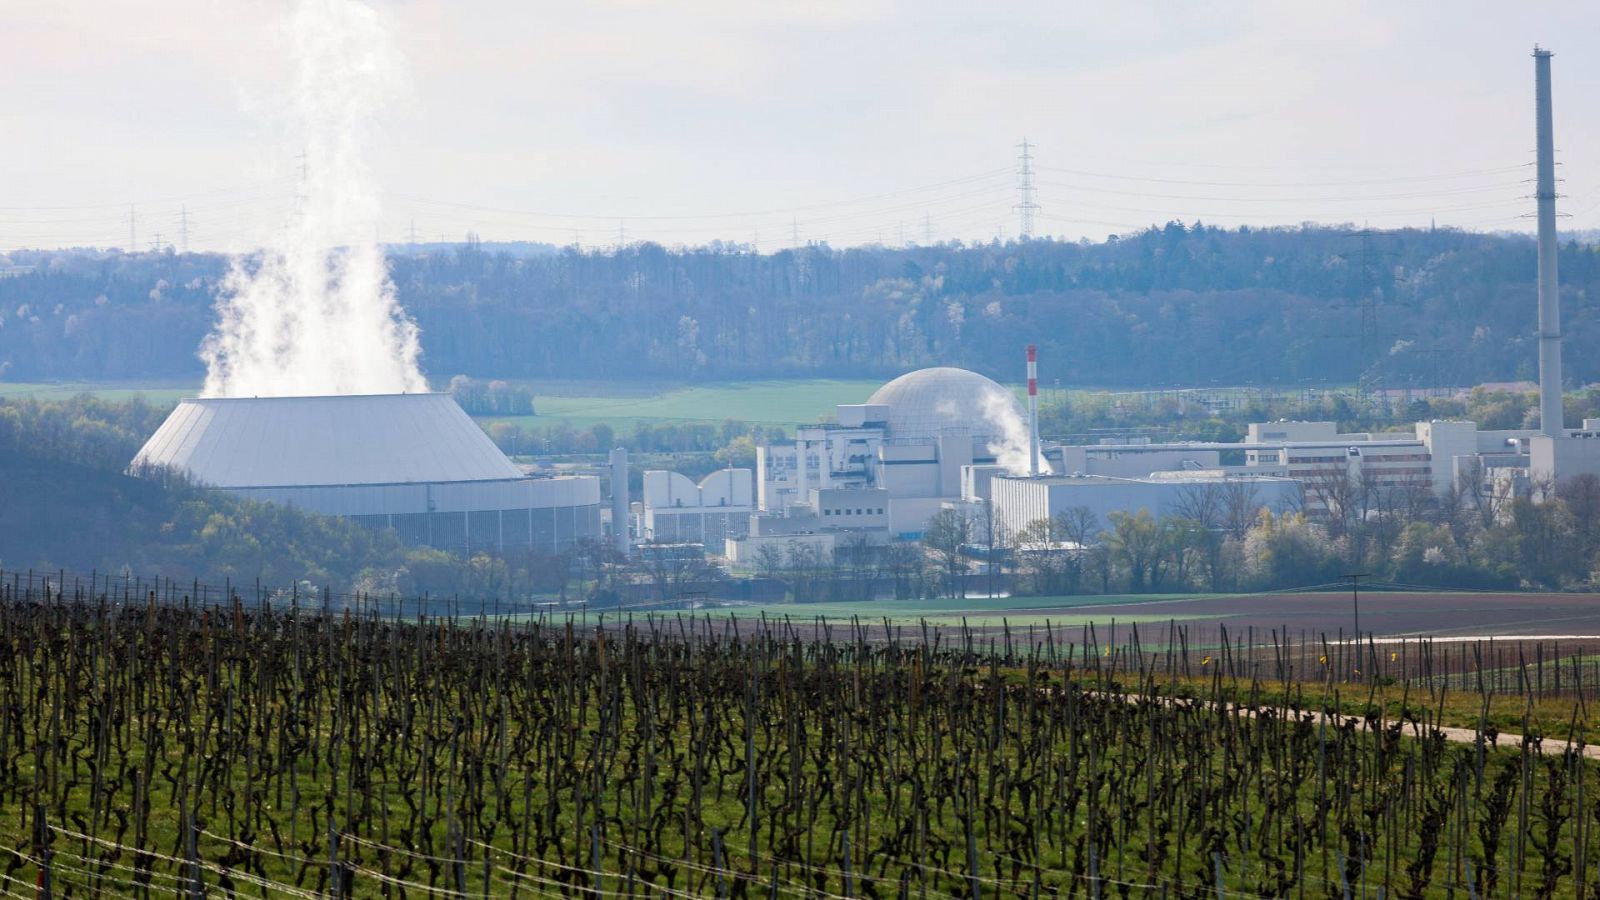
x,y
772,123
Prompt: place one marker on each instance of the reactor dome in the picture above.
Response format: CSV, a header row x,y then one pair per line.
x,y
928,403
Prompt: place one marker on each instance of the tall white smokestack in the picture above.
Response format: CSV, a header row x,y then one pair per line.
x,y
619,500
1550,414
1033,410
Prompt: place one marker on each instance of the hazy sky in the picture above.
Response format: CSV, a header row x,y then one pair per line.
x,y
850,121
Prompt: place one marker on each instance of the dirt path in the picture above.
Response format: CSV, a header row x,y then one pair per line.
x,y
1453,734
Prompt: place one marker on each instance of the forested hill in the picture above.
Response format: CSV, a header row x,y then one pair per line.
x,y
1179,305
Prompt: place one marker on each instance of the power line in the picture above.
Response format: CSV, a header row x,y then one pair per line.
x,y
1341,198
1343,183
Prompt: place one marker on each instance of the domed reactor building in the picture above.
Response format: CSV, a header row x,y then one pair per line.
x,y
412,462
887,465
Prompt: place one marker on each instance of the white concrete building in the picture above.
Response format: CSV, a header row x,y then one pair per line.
x,y
674,509
1553,460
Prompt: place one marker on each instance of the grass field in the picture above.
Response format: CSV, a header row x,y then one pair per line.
x,y
761,402
154,391
1458,614
620,404
978,612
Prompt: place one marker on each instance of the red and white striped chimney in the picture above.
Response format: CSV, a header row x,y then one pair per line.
x,y
1033,410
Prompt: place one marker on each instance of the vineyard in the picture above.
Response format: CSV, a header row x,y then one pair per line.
x,y
157,746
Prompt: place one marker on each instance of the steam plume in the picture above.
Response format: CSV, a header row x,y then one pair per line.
x,y
316,313
1010,444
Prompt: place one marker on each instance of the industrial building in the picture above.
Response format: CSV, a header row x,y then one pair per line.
x,y
412,462
890,463
674,509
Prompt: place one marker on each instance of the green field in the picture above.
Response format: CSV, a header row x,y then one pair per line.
x,y
622,406
153,391
580,404
945,612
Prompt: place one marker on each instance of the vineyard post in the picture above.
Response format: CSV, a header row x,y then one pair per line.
x,y
41,851
335,883
1094,864
1355,608
716,864
594,857
197,883
1575,765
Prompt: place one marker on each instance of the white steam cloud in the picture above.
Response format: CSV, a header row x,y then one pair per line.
x,y
316,313
1010,443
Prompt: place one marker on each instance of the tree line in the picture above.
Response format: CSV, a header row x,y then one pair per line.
x,y
1218,539
1184,303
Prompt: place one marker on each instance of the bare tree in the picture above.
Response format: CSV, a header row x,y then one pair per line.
x,y
860,555
947,532
671,568
1339,498
804,560
1205,504
903,561
1581,494
996,539
1045,555
1241,507
1079,528
768,561
1411,496
1078,525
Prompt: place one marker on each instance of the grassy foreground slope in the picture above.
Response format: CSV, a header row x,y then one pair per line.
x,y
157,747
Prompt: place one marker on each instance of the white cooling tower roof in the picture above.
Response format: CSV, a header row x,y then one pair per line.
x,y
303,441
928,403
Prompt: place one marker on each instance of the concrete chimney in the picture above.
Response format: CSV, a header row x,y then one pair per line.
x,y
619,500
1033,410
1550,415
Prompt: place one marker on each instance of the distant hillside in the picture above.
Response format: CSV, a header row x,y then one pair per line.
x,y
1179,305
65,503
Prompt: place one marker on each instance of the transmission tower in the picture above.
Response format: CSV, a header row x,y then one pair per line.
x,y
133,233
1368,379
1025,206
183,228
1372,292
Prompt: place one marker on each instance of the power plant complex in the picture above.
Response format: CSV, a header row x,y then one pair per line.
x,y
928,441
935,438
